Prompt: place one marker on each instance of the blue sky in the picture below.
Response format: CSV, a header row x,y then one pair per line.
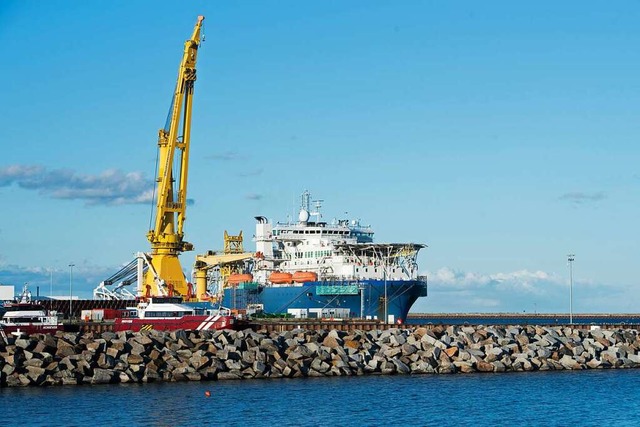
x,y
502,135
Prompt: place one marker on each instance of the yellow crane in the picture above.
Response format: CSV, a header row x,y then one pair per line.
x,y
165,275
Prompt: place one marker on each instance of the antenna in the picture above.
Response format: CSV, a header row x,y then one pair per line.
x,y
306,196
318,206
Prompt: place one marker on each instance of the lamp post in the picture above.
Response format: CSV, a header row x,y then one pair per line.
x,y
386,297
71,265
571,258
386,304
50,282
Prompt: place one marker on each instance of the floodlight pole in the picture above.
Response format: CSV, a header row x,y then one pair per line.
x,y
571,258
71,265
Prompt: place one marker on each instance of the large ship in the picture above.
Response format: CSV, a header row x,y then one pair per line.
x,y
310,268
307,268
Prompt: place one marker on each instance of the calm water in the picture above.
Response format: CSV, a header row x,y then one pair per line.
x,y
588,398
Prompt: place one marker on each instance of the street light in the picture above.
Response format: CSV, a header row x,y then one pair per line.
x,y
570,258
71,265
386,304
386,297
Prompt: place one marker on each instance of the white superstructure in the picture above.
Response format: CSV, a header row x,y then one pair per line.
x,y
339,250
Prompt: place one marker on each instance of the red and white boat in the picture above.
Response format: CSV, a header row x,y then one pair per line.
x,y
26,317
170,314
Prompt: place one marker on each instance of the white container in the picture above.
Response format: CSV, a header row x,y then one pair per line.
x,y
298,313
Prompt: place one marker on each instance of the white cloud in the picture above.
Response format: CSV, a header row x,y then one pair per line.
x,y
110,187
86,276
524,280
453,290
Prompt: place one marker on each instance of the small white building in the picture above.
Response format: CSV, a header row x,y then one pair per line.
x,y
7,292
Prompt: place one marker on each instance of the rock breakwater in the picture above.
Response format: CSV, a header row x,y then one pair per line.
x,y
71,358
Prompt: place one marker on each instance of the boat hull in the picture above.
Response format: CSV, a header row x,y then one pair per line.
x,y
351,299
31,329
196,323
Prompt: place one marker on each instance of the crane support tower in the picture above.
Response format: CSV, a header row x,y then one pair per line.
x,y
231,260
165,275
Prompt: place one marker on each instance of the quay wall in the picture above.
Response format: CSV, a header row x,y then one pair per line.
x,y
123,357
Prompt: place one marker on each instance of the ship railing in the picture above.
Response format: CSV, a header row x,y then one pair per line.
x,y
340,280
222,311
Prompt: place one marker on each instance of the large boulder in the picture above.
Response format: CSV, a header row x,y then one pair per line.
x,y
102,376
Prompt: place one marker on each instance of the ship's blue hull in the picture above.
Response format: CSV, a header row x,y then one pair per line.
x,y
364,298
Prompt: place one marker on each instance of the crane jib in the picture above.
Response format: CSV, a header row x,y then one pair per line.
x,y
166,235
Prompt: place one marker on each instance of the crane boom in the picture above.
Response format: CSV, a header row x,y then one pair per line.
x,y
166,237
